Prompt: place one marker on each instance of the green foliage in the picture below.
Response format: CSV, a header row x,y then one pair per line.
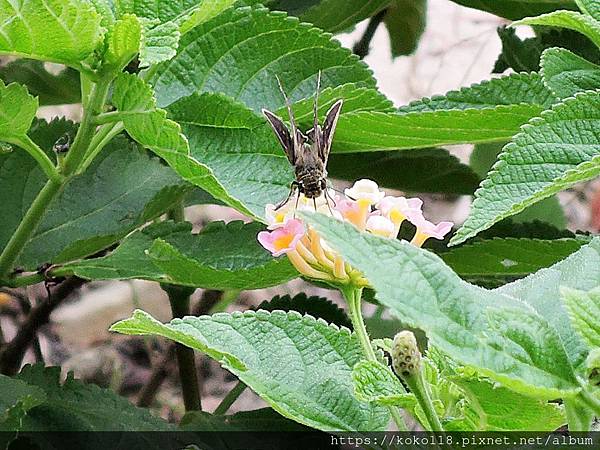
x,y
340,15
51,89
567,74
318,307
508,258
63,31
571,20
535,164
515,9
590,7
405,23
427,170
17,110
375,382
300,52
75,406
221,256
487,330
584,309
129,189
494,408
17,398
281,356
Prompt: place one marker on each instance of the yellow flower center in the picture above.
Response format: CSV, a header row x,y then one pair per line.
x,y
279,217
283,242
396,216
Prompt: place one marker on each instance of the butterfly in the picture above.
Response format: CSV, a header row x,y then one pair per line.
x,y
307,152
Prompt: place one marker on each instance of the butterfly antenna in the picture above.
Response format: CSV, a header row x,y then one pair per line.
x,y
290,113
317,134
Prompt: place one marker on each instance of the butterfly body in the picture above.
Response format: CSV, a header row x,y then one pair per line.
x,y
308,153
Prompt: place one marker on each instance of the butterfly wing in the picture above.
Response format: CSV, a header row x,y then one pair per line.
x,y
331,119
283,135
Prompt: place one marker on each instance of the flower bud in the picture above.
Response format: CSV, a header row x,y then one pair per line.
x,y
592,365
406,357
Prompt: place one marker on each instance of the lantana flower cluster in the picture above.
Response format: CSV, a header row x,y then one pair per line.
x,y
365,206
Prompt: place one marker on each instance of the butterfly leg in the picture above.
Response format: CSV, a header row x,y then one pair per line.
x,y
293,188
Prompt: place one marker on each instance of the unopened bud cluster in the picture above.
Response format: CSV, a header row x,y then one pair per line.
x,y
406,357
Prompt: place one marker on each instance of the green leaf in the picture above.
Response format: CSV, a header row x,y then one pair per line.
x,y
123,41
515,9
221,256
75,406
548,210
150,127
16,398
339,15
50,88
571,20
550,154
507,258
486,112
405,23
259,428
590,7
264,419
129,189
542,291
213,57
498,335
184,14
567,74
584,310
159,43
63,31
517,89
17,110
519,55
298,365
524,55
427,170
374,382
318,307
238,146
368,131
495,408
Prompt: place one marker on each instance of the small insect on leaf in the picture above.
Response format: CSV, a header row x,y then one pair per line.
x,y
307,152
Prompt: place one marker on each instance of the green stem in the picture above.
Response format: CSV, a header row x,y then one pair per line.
x,y
104,135
231,397
38,154
418,387
591,401
353,297
179,297
43,200
28,225
579,416
108,117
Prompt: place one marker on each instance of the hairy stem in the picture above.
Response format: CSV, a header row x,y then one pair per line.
x,y
418,387
42,159
579,416
209,302
53,186
179,297
591,401
353,297
231,397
